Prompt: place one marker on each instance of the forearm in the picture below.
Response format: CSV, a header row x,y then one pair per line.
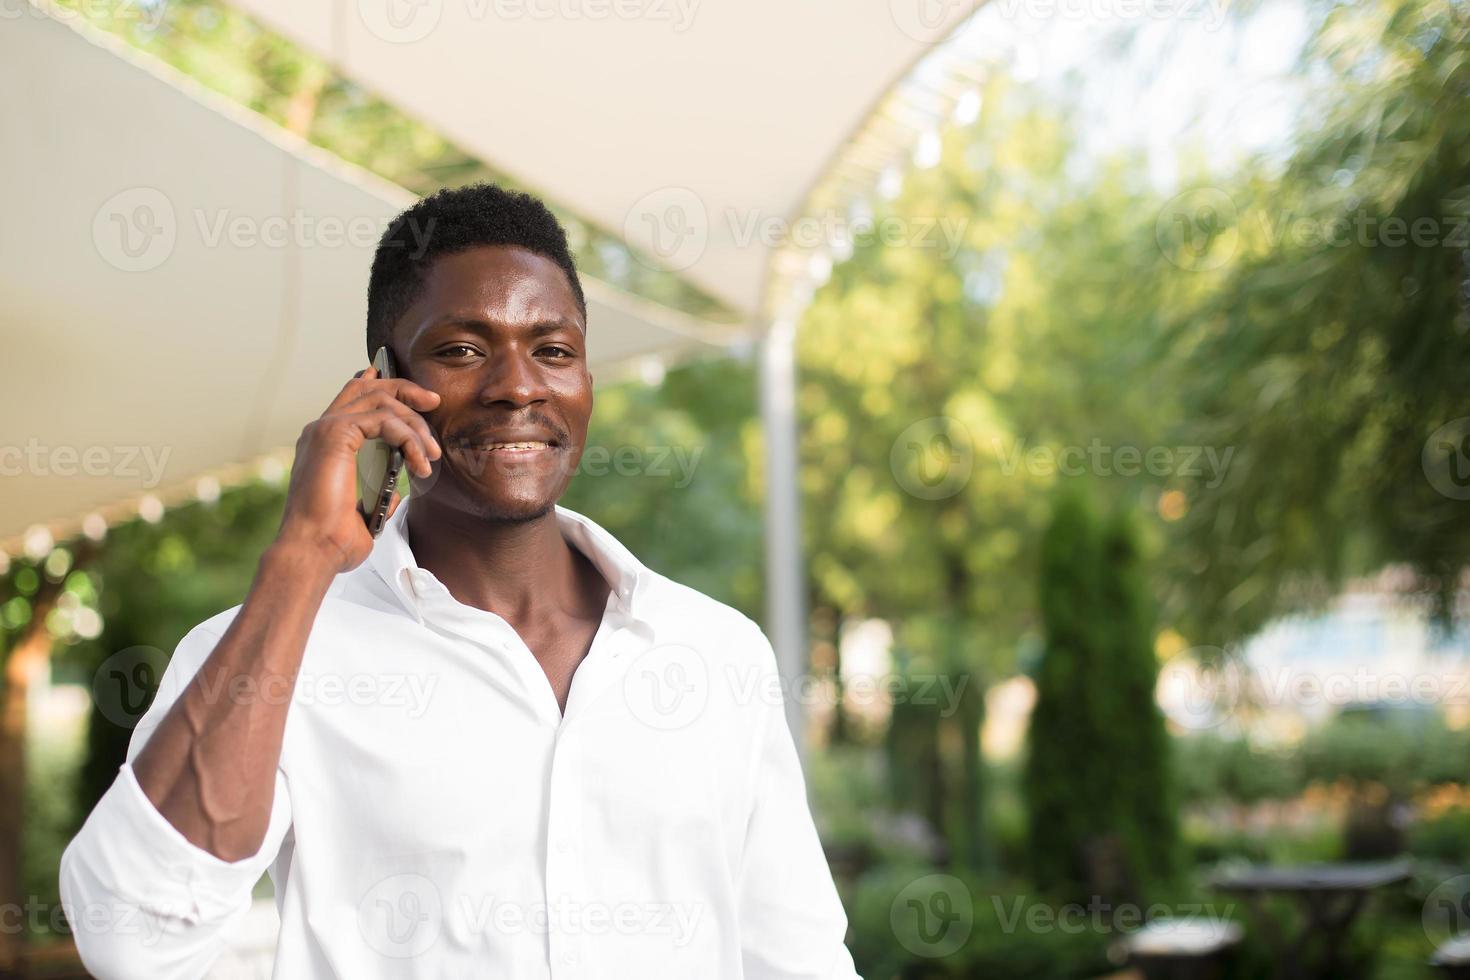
x,y
210,766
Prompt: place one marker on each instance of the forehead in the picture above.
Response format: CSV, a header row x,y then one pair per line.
x,y
501,283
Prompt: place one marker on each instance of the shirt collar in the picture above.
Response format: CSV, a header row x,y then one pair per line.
x,y
393,560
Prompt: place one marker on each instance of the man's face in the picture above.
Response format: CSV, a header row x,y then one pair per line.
x,y
498,335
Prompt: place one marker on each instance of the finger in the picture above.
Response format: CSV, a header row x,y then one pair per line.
x,y
397,432
394,502
353,389
383,401
413,395
356,428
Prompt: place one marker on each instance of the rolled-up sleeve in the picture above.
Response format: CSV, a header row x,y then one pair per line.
x,y
792,924
141,899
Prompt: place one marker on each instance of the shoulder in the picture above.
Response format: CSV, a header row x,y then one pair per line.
x,y
353,598
720,633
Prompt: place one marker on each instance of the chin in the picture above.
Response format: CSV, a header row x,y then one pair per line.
x,y
509,504
503,510
500,495
497,502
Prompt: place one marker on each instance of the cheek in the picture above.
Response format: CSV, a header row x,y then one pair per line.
x,y
576,402
455,396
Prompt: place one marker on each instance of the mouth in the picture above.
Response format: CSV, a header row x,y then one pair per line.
x,y
484,455
512,448
508,441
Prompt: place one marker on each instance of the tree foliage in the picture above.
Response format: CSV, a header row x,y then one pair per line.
x,y
1098,782
1335,341
934,369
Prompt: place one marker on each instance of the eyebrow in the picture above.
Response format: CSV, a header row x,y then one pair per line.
x,y
539,329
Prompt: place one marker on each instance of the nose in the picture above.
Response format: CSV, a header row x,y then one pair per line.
x,y
512,377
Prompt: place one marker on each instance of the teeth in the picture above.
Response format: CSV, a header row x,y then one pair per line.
x,y
517,445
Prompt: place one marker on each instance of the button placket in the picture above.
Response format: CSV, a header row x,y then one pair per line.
x,y
607,661
566,891
490,632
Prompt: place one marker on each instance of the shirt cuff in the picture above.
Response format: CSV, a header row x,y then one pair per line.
x,y
145,859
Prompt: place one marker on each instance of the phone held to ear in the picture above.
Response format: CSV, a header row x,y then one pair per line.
x,y
378,463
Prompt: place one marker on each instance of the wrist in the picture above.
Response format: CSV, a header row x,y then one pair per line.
x,y
311,563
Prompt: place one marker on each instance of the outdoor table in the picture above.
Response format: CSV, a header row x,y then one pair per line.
x,y
1183,949
1330,897
1452,958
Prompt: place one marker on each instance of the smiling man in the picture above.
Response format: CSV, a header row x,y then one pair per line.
x,y
524,754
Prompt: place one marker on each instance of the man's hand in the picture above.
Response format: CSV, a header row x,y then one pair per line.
x,y
322,509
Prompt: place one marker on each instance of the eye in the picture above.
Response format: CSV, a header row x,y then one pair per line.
x,y
559,351
452,351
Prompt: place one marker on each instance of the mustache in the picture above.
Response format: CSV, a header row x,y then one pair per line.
x,y
480,433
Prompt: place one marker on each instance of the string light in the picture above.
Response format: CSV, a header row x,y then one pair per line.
x,y
94,526
150,508
38,542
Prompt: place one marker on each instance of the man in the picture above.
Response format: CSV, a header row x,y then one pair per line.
x,y
511,750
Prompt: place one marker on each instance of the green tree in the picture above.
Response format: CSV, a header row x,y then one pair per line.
x,y
1330,350
1097,781
942,703
1143,782
932,372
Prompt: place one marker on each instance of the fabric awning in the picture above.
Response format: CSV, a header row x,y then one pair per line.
x,y
184,283
694,129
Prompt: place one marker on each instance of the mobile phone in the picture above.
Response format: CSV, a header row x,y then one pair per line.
x,y
378,463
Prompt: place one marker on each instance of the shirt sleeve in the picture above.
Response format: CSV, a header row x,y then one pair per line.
x,y
792,924
141,899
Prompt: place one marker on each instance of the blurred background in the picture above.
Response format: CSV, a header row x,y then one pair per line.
x,y
1087,424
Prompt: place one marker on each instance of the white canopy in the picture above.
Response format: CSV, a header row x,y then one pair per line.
x,y
185,284
691,128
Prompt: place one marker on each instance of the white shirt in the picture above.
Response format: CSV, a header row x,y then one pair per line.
x,y
436,816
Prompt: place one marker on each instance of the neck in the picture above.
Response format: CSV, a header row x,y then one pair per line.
x,y
524,572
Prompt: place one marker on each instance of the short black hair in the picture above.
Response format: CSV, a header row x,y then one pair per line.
x,y
453,220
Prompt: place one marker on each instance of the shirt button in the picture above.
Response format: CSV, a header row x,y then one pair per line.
x,y
569,958
565,845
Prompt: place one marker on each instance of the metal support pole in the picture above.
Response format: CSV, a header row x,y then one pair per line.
x,y
785,587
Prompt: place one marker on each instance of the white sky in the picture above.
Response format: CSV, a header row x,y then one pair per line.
x,y
1193,76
